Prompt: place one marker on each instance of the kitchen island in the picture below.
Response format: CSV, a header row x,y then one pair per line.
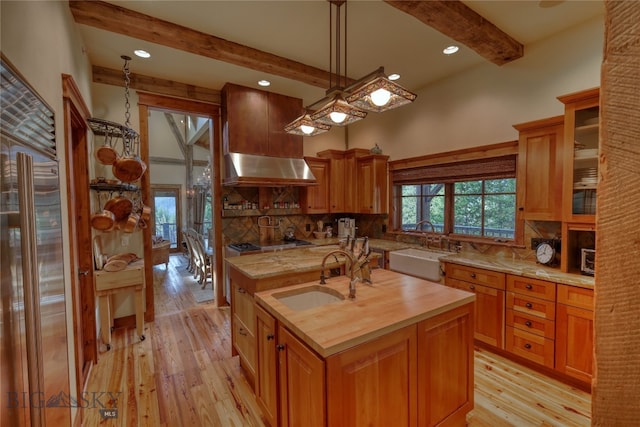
x,y
400,353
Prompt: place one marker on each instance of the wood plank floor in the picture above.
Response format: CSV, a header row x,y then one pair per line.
x,y
183,375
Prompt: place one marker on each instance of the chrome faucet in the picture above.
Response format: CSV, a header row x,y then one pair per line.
x,y
353,279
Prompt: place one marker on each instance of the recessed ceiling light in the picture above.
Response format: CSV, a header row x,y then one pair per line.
x,y
142,53
264,82
394,76
450,50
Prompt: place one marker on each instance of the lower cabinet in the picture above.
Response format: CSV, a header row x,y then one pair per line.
x,y
574,332
419,375
243,325
489,289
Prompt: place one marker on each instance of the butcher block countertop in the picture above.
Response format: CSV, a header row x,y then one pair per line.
x,y
392,302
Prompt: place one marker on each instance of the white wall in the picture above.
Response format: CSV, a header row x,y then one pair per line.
x,y
42,42
479,106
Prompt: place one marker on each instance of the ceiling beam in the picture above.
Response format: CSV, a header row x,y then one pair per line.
x,y
119,20
155,85
458,21
177,134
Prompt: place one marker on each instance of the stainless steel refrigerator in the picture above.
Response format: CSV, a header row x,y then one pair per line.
x,y
33,325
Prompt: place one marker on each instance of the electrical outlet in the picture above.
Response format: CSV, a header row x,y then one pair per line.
x,y
124,241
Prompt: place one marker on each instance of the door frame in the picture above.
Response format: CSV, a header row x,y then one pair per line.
x,y
177,190
76,113
212,111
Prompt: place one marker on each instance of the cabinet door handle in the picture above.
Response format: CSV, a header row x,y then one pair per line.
x,y
528,305
527,346
270,337
473,275
529,286
242,332
242,290
280,347
472,287
528,323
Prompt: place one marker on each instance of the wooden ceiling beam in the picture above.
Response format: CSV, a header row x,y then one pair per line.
x,y
119,20
155,85
458,21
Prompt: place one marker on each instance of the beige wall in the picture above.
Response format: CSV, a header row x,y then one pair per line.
x,y
479,106
42,42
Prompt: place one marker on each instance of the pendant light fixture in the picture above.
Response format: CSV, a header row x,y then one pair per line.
x,y
344,104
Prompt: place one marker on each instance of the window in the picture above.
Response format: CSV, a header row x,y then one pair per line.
x,y
485,208
475,198
423,202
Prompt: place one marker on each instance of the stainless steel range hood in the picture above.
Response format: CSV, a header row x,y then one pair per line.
x,y
251,170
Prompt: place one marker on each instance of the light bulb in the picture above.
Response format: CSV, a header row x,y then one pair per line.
x,y
337,117
307,130
380,97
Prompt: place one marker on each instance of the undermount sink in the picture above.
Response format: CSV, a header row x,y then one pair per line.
x,y
416,262
308,297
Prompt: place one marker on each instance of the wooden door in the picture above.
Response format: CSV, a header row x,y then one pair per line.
x,y
540,153
315,198
267,366
445,368
574,342
373,384
302,383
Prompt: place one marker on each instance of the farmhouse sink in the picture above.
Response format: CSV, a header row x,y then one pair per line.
x,y
308,297
416,262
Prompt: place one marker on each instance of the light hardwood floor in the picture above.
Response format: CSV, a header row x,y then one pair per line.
x,y
183,375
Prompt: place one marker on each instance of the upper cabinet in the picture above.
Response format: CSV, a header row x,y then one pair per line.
x,y
343,179
540,169
315,198
253,122
582,129
372,184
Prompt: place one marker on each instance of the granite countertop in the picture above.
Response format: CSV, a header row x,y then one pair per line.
x,y
392,302
383,244
520,268
299,260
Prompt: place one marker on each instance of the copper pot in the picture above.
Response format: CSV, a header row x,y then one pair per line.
x,y
103,220
120,206
145,213
132,222
106,154
128,169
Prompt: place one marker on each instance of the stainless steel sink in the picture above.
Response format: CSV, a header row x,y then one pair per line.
x,y
308,297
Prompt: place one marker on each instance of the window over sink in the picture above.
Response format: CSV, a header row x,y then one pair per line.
x,y
474,198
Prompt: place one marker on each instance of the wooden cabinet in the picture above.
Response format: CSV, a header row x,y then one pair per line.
x,y
490,298
540,169
378,374
343,179
445,368
372,184
266,384
530,315
574,332
315,198
243,328
581,119
253,122
302,383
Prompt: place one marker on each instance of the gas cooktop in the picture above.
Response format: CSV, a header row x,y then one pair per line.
x,y
248,247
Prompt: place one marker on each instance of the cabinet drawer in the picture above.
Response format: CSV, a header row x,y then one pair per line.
x,y
243,308
534,306
530,323
575,297
532,287
130,276
245,342
476,276
530,346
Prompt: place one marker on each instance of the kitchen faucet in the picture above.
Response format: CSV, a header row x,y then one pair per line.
x,y
428,238
361,264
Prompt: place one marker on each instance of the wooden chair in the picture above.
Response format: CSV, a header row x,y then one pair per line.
x,y
202,260
190,253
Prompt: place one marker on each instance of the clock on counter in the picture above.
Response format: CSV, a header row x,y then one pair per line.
x,y
546,250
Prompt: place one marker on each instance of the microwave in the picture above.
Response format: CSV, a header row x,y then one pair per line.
x,y
588,261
